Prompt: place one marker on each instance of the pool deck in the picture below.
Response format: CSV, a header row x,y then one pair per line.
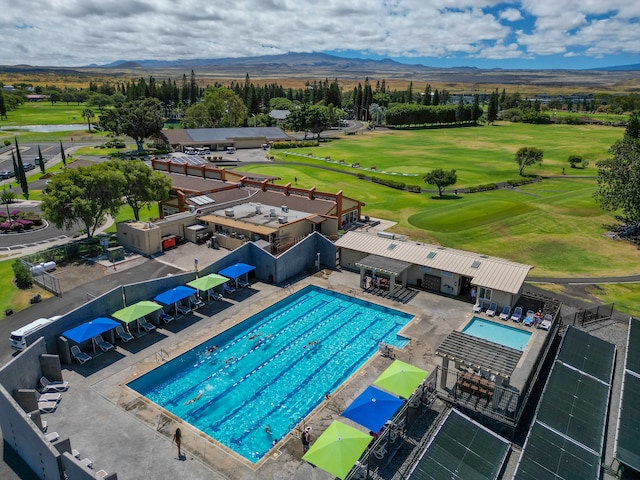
x,y
121,432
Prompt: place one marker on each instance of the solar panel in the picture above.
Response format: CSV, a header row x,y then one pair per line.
x,y
462,449
588,354
202,200
628,442
633,352
550,455
575,405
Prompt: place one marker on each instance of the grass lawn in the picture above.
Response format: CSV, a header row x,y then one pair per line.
x,y
13,298
126,213
38,113
554,224
480,155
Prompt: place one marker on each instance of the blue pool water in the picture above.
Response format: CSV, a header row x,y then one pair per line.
x,y
498,333
270,371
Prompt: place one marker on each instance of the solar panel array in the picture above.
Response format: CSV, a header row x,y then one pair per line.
x,y
462,449
627,438
566,439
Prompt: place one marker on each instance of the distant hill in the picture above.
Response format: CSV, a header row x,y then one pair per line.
x,y
304,66
621,68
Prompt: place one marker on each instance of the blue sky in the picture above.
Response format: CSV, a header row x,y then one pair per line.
x,y
536,34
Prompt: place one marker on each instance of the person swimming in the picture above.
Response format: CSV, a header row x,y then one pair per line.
x,y
230,359
212,349
311,344
194,399
255,336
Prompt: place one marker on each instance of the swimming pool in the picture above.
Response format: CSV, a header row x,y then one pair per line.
x,y
253,383
497,333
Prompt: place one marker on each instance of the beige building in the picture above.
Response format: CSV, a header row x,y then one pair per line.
x,y
217,139
432,267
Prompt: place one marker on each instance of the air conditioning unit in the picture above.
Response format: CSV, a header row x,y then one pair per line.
x,y
285,208
229,212
272,213
282,219
258,209
192,208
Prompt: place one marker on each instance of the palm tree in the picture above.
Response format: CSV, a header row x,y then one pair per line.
x,y
89,115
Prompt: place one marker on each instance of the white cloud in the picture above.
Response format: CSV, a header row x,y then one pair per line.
x,y
77,32
511,15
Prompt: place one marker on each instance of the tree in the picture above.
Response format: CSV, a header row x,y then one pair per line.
x,y
527,156
88,114
21,175
492,109
619,180
221,107
83,195
144,185
441,179
22,275
3,107
138,119
40,160
633,127
63,155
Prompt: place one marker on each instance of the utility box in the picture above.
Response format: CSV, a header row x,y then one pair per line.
x,y
115,254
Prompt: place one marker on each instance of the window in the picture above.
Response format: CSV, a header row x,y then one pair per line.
x,y
485,293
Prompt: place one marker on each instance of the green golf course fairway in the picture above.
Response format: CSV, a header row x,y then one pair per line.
x,y
553,224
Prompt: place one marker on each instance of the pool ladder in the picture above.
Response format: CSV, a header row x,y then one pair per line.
x,y
161,355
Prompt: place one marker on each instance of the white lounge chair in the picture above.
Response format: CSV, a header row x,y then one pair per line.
x,y
75,453
491,311
86,462
517,315
101,473
48,386
506,312
47,407
50,397
79,354
196,301
184,310
529,318
477,308
243,284
228,289
102,344
546,322
146,325
52,437
166,318
213,295
123,334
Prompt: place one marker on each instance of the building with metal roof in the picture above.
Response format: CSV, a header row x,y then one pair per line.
x,y
220,138
432,267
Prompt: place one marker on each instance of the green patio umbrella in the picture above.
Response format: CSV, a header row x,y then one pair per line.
x,y
206,283
401,378
134,312
338,449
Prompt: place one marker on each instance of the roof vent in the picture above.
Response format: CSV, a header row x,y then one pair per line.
x,y
476,264
431,254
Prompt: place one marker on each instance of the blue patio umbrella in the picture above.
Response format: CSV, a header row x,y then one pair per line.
x,y
236,270
174,295
372,408
90,329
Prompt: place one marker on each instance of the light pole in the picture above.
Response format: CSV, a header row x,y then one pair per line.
x,y
195,264
254,120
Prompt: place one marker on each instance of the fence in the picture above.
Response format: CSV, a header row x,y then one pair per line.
x,y
588,316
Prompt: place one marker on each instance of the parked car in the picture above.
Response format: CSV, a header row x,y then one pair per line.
x,y
4,174
29,166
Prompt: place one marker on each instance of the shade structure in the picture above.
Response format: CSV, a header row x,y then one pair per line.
x,y
338,449
236,270
90,329
208,282
135,312
401,378
173,296
372,408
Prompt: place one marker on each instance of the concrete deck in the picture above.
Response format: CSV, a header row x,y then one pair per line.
x,y
123,433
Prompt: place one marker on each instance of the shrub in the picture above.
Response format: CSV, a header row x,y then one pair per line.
x,y
483,188
574,160
7,143
414,188
389,183
521,181
22,275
